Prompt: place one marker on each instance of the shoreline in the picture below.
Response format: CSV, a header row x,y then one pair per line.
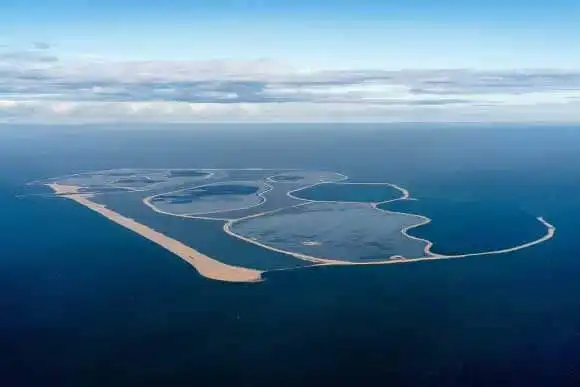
x,y
205,266
148,201
423,220
214,269
268,182
396,259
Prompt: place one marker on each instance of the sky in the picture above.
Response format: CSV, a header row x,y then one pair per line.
x,y
281,60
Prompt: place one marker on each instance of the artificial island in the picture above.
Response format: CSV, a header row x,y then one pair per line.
x,y
237,224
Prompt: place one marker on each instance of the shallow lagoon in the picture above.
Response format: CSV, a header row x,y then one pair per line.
x,y
186,173
349,232
350,192
216,197
305,178
286,212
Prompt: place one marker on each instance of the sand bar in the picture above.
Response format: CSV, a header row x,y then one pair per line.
x,y
206,266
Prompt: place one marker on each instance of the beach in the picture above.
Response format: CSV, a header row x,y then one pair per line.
x,y
206,266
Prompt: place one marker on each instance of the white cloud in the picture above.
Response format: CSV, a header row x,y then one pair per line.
x,y
162,111
36,87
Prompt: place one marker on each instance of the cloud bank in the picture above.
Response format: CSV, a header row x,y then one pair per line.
x,y
37,86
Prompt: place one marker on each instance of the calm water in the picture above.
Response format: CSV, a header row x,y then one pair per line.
x,y
84,302
349,193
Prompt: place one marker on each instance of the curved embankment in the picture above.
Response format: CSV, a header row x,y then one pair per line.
x,y
550,232
214,215
423,220
429,255
206,266
148,201
317,260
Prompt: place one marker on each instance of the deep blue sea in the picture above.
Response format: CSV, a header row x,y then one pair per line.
x,y
85,302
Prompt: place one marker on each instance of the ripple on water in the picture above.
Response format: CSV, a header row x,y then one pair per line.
x,y
352,232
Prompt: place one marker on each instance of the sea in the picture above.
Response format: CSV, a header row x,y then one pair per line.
x,y
85,302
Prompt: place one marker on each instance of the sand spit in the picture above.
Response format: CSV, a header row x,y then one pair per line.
x,y
206,266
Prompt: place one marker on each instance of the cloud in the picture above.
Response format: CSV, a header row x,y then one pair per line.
x,y
180,112
26,57
35,86
41,45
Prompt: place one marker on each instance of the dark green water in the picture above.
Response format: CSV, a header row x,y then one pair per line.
x,y
84,302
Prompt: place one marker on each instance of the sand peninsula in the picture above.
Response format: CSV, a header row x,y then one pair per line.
x,y
206,266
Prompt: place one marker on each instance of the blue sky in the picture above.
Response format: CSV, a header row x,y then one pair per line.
x,y
344,36
338,33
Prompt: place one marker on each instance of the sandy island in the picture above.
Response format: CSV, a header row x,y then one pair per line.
x,y
213,269
206,266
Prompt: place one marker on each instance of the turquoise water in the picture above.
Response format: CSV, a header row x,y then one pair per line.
x,y
85,302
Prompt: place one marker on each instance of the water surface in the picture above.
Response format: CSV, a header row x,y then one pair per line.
x,y
85,302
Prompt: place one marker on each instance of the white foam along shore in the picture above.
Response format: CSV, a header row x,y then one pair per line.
x,y
206,266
